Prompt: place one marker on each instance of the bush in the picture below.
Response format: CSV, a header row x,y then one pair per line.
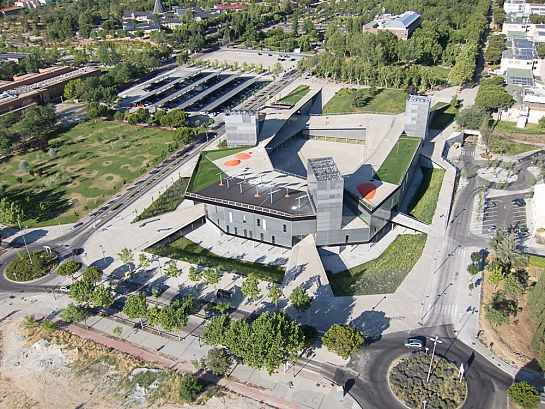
x,y
21,269
524,395
68,268
190,388
167,202
219,361
310,335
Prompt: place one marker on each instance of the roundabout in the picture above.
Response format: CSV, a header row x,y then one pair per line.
x,y
31,266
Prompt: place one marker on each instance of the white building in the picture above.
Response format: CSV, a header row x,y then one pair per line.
x,y
32,4
521,53
520,7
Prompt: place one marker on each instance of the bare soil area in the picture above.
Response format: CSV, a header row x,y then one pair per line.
x,y
37,373
511,342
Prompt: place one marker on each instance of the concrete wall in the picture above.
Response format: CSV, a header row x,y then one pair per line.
x,y
241,128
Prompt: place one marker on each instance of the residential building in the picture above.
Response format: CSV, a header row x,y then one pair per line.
x,y
31,4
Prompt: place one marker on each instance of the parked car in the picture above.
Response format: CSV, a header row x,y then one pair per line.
x,y
414,343
491,228
64,289
489,204
518,202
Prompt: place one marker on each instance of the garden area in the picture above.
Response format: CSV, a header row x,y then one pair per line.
x,y
424,201
374,101
408,381
206,172
21,269
167,202
385,273
185,250
294,96
83,166
510,128
396,163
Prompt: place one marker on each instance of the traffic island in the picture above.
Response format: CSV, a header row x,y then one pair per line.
x,y
408,380
22,269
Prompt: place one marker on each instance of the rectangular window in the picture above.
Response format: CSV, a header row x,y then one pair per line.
x,y
227,228
261,237
258,222
273,239
236,230
218,222
251,234
231,217
245,233
264,224
284,228
347,238
243,218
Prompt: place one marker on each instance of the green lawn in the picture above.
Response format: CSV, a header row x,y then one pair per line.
x,y
387,101
441,72
167,202
186,250
443,117
92,163
395,165
514,148
424,201
384,274
511,127
206,172
295,96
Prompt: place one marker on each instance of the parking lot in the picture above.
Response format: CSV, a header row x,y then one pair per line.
x,y
267,58
501,212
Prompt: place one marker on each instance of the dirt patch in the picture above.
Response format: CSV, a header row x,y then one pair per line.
x,y
134,169
107,181
511,342
74,168
107,163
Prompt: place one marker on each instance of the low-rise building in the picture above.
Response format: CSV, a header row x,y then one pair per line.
x,y
401,25
31,4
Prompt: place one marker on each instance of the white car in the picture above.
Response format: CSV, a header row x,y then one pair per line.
x,y
414,343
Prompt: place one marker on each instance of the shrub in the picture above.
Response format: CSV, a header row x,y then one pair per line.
x,y
310,335
68,268
524,395
190,388
21,269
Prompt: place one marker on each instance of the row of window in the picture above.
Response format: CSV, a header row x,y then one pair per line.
x,y
248,233
257,222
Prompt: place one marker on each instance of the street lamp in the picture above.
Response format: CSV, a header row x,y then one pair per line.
x,y
26,247
103,257
435,342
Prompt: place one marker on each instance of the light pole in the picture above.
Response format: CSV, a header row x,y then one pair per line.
x,y
425,403
24,241
103,257
435,342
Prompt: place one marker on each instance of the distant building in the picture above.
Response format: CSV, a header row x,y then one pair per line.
x,y
11,11
521,53
538,207
241,128
31,4
417,112
12,57
39,88
402,25
520,7
225,7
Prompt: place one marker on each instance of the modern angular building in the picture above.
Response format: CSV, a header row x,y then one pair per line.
x,y
241,128
417,112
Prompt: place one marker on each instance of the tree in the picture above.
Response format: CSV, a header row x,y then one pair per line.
x,y
541,121
250,287
343,340
92,111
194,274
493,97
23,166
127,257
524,395
473,269
512,287
190,388
275,294
214,332
300,300
92,274
68,268
136,307
219,361
10,212
143,262
48,325
212,276
496,317
81,291
182,58
476,256
154,316
118,116
470,118
505,246
102,296
37,121
310,335
118,332
496,276
75,313
132,119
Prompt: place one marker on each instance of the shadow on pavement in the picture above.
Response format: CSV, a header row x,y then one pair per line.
x,y
373,324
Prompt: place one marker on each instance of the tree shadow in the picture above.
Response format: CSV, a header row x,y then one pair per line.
x,y
30,237
373,324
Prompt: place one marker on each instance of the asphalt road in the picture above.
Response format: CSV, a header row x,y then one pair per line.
x,y
487,385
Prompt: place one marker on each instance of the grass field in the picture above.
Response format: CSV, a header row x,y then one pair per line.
x,y
166,202
186,250
511,127
424,201
514,148
206,172
91,163
384,274
441,72
395,165
387,101
443,117
295,96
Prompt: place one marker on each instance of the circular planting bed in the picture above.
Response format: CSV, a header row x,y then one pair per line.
x,y
21,269
408,382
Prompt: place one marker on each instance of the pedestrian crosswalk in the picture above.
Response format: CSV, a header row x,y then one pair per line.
x,y
467,153
443,309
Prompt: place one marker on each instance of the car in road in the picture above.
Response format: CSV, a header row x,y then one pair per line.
x,y
489,204
518,202
521,228
491,228
64,289
414,343
270,55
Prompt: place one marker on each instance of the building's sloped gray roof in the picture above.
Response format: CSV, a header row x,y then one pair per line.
x,y
404,20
